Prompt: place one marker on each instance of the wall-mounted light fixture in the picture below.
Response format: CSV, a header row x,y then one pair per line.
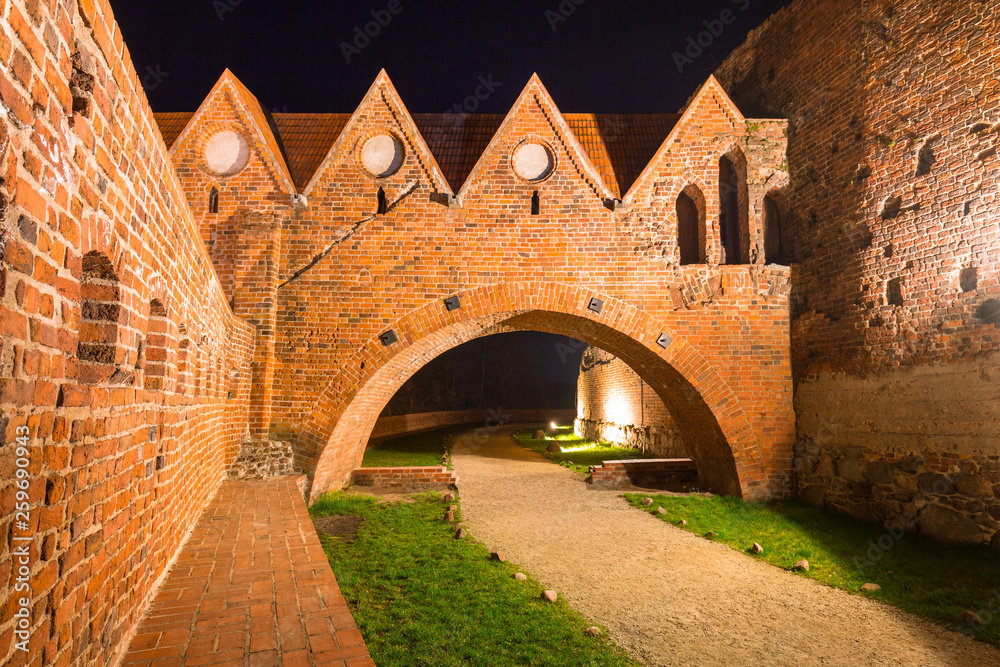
x,y
452,303
595,304
664,341
388,338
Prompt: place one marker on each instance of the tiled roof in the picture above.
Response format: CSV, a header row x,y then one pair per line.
x,y
619,145
457,143
172,124
307,138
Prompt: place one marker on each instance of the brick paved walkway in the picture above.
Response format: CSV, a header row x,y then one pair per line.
x,y
251,587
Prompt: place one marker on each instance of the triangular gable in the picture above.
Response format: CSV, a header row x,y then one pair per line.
x,y
535,93
711,92
383,92
253,118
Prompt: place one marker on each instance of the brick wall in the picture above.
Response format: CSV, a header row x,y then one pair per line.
x,y
678,475
423,421
409,476
119,353
614,405
348,272
891,214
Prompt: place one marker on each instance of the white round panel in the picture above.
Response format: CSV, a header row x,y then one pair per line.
x,y
532,162
382,155
226,153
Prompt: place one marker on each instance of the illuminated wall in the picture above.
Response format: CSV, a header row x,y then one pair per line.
x,y
616,406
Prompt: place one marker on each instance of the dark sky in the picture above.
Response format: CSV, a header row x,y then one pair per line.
x,y
601,56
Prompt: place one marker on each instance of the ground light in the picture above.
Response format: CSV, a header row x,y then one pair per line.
x,y
577,449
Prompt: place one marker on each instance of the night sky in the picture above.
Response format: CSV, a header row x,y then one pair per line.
x,y
307,56
601,57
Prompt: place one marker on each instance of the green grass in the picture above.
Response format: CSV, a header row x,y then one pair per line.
x,y
581,454
417,449
421,597
934,580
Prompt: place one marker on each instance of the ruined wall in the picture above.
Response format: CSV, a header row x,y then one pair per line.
x,y
121,363
613,404
894,112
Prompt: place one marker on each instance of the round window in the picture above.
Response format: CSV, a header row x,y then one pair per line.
x,y
226,153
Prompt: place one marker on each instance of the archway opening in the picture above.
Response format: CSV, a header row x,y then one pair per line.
x,y
729,462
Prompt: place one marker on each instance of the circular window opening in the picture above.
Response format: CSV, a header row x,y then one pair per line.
x,y
382,155
532,161
226,153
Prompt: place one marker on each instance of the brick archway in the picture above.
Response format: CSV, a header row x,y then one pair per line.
x,y
727,452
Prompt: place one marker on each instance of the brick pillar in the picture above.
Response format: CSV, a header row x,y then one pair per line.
x,y
255,252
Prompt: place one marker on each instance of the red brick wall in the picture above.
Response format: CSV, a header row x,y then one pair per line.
x,y
370,273
404,476
422,421
887,375
129,434
614,405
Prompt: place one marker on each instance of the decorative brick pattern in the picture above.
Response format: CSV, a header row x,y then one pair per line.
x,y
252,586
614,405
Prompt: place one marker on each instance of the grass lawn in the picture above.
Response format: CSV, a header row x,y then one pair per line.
x,y
578,453
934,580
417,449
421,597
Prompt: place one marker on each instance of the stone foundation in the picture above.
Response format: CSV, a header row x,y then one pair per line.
x,y
658,441
943,496
262,459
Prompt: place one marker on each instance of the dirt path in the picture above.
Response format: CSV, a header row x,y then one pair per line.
x,y
668,596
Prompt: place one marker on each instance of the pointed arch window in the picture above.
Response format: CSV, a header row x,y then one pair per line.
x,y
691,237
734,201
774,247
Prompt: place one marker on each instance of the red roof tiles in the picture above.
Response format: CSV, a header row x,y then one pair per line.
x,y
619,145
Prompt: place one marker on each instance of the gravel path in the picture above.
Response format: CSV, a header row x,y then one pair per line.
x,y
668,596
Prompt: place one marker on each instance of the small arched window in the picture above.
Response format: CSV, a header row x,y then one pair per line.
x,y
536,204
383,207
213,201
691,226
